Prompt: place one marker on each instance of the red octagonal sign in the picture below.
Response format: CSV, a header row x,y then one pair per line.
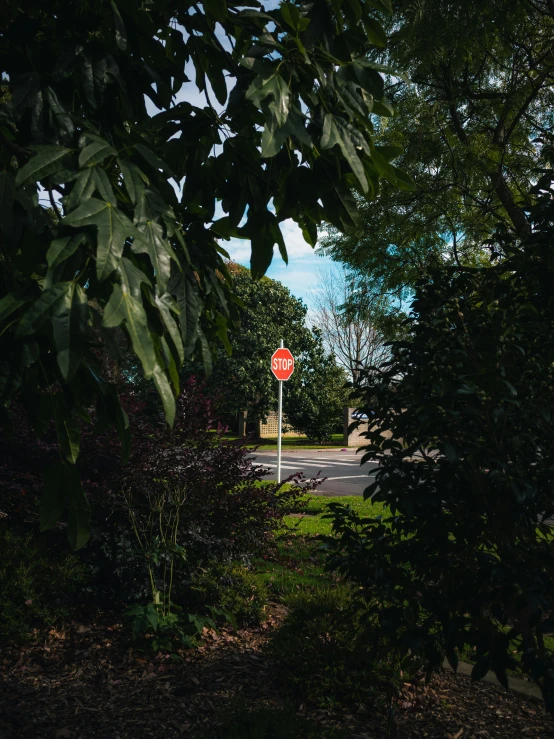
x,y
282,364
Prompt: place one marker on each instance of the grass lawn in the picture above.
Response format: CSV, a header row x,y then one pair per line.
x,y
297,562
293,442
300,442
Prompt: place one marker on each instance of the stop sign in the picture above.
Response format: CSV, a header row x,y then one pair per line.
x,y
282,364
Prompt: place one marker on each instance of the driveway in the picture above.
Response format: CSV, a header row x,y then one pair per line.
x,y
342,469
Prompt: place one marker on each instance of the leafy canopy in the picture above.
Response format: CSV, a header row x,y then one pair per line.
x,y
316,395
463,557
243,381
132,138
471,122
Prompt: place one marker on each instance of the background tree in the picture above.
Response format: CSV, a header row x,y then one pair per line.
x,y
463,558
352,325
315,396
243,381
472,121
109,179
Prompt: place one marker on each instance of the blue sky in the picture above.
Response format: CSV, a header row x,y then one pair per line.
x,y
301,273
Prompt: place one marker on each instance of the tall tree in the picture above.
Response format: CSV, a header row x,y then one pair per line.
x,y
108,212
351,327
472,120
316,395
243,381
463,556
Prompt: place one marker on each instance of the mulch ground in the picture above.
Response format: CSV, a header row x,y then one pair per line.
x,y
87,683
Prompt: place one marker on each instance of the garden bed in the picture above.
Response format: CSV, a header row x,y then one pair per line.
x,y
86,683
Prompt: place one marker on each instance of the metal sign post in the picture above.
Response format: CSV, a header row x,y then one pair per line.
x,y
279,426
282,366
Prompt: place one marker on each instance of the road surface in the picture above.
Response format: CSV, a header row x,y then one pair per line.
x,y
342,469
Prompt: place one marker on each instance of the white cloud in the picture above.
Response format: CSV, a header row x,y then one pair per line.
x,y
301,275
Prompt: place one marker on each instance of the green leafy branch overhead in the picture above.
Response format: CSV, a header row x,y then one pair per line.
x,y
111,169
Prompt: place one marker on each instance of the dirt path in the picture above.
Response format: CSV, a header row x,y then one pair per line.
x,y
86,683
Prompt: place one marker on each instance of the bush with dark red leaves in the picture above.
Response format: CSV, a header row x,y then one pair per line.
x,y
227,512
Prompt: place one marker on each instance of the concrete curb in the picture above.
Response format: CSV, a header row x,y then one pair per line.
x,y
529,690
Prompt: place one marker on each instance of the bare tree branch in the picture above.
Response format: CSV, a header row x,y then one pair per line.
x,y
353,339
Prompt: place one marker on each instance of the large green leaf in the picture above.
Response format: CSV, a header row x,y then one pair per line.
x,y
385,6
132,278
271,83
70,316
69,437
122,307
153,159
120,30
42,308
46,161
94,153
336,132
114,228
167,306
403,180
217,8
273,138
158,249
133,178
375,33
291,15
353,11
8,304
185,289
166,394
62,249
264,232
389,152
274,135
81,191
384,167
104,186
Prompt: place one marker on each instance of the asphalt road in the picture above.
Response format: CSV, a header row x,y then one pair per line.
x,y
342,469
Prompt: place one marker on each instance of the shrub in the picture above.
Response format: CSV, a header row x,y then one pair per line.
x,y
227,513
36,588
464,557
321,655
224,513
234,589
316,396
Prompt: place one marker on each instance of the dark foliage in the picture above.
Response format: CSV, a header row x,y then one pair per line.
x,y
313,398
38,585
464,426
233,589
316,394
228,512
112,162
321,657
